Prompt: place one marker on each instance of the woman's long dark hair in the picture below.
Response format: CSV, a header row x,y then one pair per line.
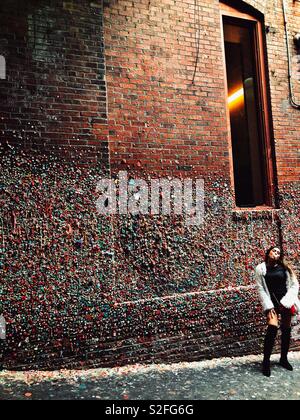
x,y
282,261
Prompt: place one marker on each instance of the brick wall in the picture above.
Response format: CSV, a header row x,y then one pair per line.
x,y
167,116
162,122
151,56
158,117
127,289
54,96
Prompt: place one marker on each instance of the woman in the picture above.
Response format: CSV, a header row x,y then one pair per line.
x,y
278,290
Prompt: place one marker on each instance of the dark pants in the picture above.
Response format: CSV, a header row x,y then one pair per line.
x,y
285,335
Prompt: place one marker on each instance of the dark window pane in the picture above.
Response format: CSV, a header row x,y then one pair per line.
x,y
246,128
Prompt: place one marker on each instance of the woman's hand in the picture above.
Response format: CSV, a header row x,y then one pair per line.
x,y
271,313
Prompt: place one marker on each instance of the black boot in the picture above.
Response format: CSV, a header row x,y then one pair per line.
x,y
285,345
268,347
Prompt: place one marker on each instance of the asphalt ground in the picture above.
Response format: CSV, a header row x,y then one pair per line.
x,y
219,379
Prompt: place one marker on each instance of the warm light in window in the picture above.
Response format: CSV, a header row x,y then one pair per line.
x,y
236,96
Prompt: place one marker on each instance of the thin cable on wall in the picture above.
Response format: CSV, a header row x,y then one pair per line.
x,y
197,35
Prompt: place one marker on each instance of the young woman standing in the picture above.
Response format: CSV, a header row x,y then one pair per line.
x,y
278,290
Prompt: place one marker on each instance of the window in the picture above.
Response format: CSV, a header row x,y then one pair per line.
x,y
247,106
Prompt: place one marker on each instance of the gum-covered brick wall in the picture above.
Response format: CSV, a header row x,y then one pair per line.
x,y
82,289
79,288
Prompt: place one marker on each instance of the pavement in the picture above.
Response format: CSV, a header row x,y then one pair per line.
x,y
219,379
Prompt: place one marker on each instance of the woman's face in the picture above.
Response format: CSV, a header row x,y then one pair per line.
x,y
275,254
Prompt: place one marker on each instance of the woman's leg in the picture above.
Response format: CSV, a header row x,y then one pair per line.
x,y
286,329
272,320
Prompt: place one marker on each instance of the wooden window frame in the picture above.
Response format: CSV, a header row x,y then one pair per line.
x,y
228,11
